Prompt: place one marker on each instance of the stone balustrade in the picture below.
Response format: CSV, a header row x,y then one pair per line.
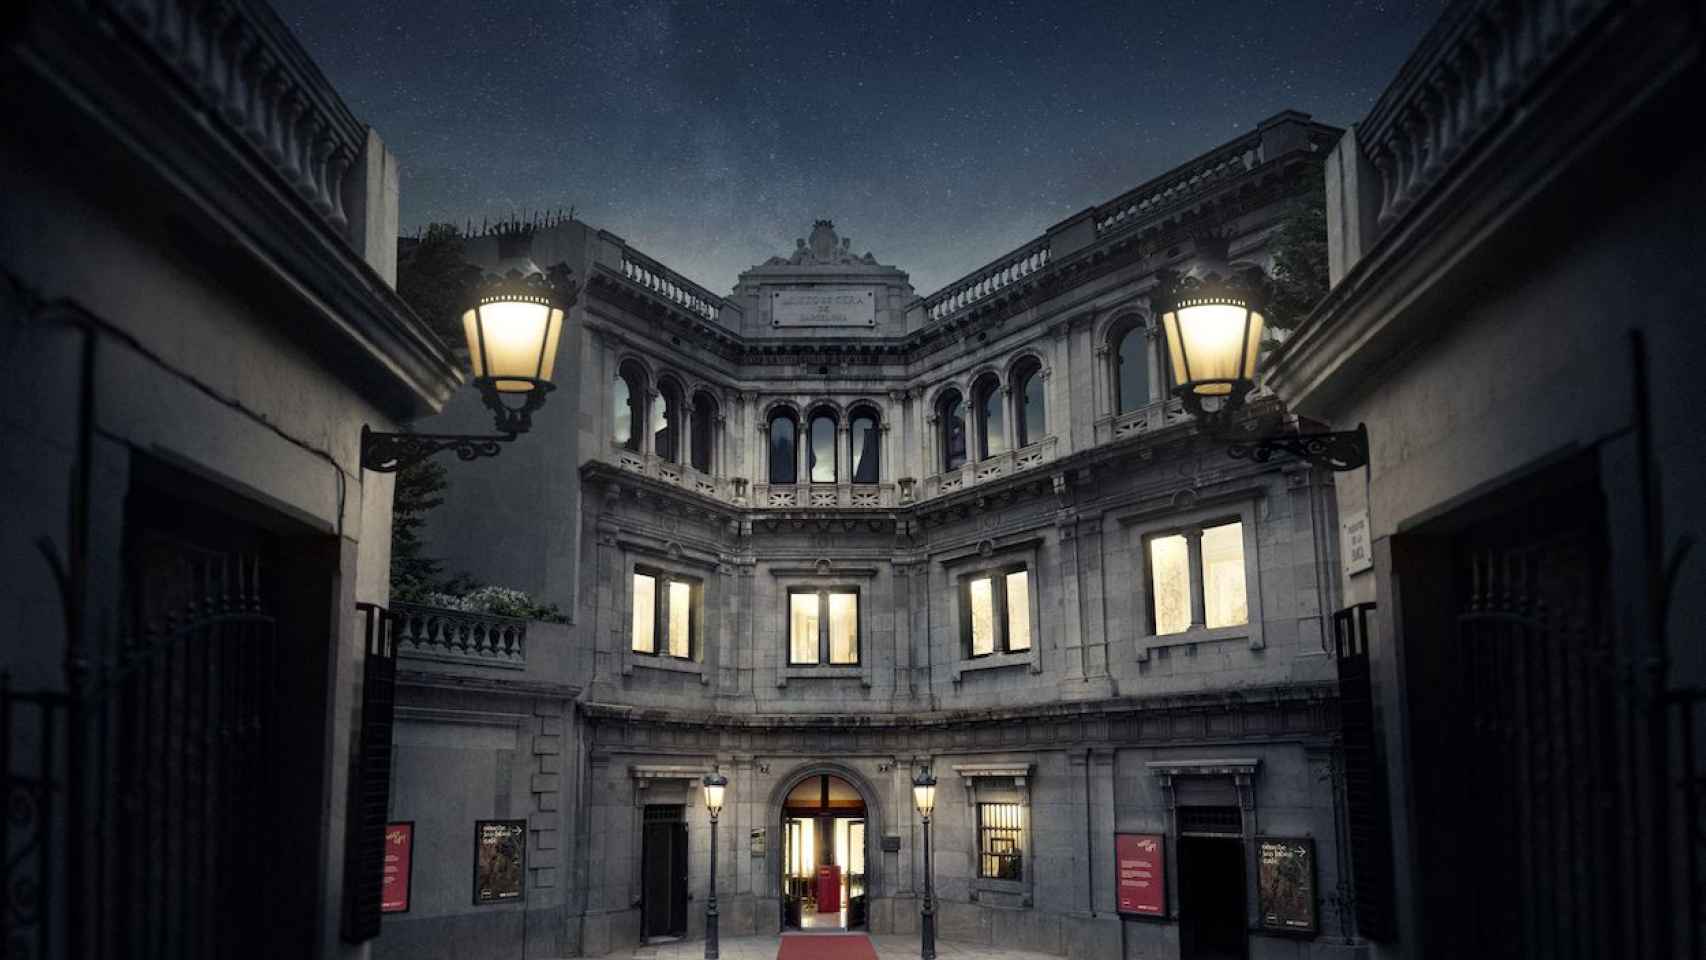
x,y
1003,464
1146,201
988,280
642,270
433,633
241,61
1471,70
1145,419
670,472
824,495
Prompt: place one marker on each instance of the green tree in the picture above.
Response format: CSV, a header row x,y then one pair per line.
x,y
420,488
1299,276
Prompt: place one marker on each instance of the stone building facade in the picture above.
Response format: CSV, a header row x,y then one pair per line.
x,y
825,527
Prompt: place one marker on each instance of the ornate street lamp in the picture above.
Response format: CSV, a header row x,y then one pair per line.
x,y
1213,326
513,325
924,796
715,783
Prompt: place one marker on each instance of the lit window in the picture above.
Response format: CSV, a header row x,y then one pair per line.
x,y
997,609
823,627
645,612
1000,841
1214,578
669,611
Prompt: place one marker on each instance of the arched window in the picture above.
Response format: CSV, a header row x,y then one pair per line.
x,y
629,405
991,422
784,453
704,421
952,411
1131,368
1028,386
821,452
666,428
864,440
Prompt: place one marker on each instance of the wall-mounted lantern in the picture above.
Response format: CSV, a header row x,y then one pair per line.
x,y
513,323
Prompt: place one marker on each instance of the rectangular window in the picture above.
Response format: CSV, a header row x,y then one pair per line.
x,y
665,617
823,627
1170,584
1225,602
645,613
680,619
1018,611
802,629
1200,569
996,607
1000,841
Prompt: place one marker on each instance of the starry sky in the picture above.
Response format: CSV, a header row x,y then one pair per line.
x,y
937,134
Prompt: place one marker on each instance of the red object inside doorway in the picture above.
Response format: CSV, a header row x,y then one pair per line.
x,y
835,946
828,889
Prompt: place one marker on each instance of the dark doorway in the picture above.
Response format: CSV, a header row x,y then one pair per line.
x,y
1211,898
663,872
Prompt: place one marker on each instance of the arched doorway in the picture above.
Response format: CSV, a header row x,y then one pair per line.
x,y
825,837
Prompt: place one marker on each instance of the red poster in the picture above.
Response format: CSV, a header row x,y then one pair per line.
x,y
828,889
1141,861
399,862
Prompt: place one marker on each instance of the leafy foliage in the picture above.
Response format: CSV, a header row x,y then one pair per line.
x,y
419,488
1299,276
502,601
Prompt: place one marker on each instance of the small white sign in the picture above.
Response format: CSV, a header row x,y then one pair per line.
x,y
1354,545
824,307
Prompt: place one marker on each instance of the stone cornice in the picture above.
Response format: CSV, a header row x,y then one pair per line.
x,y
503,685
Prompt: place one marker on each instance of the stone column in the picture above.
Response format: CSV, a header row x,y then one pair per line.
x,y
762,461
802,448
648,441
1071,606
1103,895
1157,340
1011,422
1193,573
719,452
1078,805
1107,390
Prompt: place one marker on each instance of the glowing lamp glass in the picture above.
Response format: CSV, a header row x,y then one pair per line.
x,y
924,793
714,786
1212,345
513,340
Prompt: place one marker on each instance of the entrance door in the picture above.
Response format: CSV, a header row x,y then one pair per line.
x,y
663,872
1211,898
823,856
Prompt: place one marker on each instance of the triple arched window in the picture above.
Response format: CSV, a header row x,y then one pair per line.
x,y
678,432
825,460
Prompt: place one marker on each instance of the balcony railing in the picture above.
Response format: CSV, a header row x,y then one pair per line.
x,y
991,468
1147,200
988,280
1471,70
677,474
433,633
240,60
823,495
1145,419
642,270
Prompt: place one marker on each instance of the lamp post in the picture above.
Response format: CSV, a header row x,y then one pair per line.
x,y
513,324
924,795
714,786
1214,337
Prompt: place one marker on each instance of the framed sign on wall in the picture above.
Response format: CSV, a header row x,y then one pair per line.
x,y
500,860
1285,884
1140,859
399,867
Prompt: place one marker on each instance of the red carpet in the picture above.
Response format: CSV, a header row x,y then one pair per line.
x,y
806,946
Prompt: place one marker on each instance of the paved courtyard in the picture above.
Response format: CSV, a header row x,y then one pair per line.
x,y
898,947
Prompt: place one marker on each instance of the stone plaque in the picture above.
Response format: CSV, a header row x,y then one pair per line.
x,y
891,843
1354,545
823,307
756,842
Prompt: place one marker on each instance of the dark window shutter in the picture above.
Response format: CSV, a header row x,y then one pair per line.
x,y
1366,811
370,787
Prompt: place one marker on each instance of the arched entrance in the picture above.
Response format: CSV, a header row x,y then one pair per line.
x,y
825,836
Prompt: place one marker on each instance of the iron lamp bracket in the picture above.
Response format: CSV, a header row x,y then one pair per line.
x,y
1335,450
391,452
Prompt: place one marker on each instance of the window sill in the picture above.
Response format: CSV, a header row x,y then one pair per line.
x,y
1006,892
819,672
995,661
664,663
1243,631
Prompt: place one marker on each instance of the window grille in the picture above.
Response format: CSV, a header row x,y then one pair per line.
x,y
1211,821
1000,841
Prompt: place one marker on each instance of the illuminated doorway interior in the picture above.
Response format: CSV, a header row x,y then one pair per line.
x,y
823,855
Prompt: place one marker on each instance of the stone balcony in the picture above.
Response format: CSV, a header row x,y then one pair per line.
x,y
991,468
456,636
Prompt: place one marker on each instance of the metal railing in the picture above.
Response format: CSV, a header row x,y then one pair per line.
x,y
434,633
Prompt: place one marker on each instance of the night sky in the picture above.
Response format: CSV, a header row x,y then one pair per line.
x,y
936,134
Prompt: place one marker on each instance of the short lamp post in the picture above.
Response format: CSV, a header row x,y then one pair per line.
x,y
1213,326
715,783
513,324
924,795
